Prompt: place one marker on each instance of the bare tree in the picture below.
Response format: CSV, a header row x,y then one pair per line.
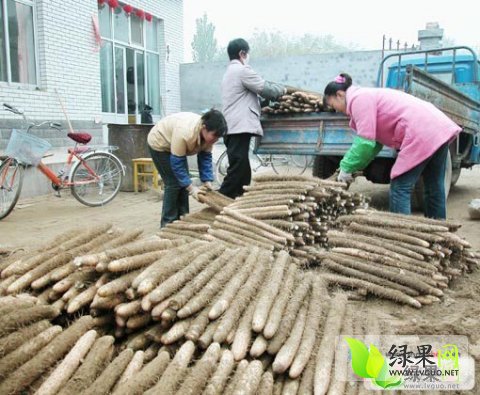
x,y
204,44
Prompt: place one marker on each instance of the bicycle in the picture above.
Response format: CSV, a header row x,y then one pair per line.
x,y
94,177
280,164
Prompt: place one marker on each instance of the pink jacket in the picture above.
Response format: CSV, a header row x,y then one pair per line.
x,y
401,121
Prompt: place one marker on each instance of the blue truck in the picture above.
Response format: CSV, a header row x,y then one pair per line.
x,y
447,77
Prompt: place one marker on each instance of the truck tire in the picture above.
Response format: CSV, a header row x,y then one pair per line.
x,y
324,166
417,194
455,176
455,172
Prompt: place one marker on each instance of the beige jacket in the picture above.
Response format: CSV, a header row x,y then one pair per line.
x,y
178,134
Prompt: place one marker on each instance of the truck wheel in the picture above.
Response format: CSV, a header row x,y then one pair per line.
x,y
455,172
324,166
455,176
417,194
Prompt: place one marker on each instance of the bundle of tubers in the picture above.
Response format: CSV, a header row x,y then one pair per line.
x,y
296,102
47,359
285,212
194,226
218,302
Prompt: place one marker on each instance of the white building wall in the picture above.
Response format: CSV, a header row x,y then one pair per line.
x,y
69,61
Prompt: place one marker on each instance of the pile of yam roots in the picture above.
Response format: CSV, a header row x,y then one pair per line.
x,y
244,297
296,102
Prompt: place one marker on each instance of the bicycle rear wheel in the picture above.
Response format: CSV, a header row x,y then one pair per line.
x,y
283,164
302,161
11,181
96,179
221,167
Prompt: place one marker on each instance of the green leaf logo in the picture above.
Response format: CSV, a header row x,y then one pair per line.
x,y
359,357
384,379
375,362
370,364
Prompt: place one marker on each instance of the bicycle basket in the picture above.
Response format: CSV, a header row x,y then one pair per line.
x,y
26,148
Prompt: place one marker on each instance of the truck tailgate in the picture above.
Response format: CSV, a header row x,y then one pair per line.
x,y
459,107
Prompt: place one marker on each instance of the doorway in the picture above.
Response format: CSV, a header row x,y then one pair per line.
x,y
134,82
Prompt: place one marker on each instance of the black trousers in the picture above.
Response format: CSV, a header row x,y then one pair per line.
x,y
175,197
239,172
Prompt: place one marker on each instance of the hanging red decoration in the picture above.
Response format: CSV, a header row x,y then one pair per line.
x,y
148,16
101,2
128,9
113,3
140,13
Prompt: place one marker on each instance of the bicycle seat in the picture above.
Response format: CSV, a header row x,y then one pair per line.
x,y
82,138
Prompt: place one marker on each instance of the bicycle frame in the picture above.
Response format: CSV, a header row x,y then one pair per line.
x,y
65,180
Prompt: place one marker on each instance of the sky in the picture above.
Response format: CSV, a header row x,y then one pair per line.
x,y
349,21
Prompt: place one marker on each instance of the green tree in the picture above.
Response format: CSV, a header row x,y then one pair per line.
x,y
204,44
275,43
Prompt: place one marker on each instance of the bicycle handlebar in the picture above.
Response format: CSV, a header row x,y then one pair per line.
x,y
52,125
55,125
12,109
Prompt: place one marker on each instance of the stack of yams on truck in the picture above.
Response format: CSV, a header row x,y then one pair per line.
x,y
296,102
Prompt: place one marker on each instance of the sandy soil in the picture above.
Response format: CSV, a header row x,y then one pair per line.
x,y
459,311
37,220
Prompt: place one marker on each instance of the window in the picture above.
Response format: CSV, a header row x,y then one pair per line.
x,y
140,59
152,36
137,30
121,24
105,22
129,62
106,75
153,78
120,79
3,56
17,42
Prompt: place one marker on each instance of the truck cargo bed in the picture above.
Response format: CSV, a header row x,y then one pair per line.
x,y
324,133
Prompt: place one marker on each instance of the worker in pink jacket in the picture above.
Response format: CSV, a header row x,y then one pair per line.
x,y
419,132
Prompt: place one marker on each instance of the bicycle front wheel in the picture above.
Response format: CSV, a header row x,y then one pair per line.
x,y
96,179
11,181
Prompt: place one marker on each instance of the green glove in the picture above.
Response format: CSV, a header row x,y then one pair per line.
x,y
360,154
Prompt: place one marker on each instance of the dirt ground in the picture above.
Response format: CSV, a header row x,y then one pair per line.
x,y
38,220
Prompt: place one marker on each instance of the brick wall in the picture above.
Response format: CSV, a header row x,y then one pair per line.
x,y
68,62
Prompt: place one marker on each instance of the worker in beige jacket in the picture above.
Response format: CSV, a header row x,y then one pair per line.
x,y
241,89
170,141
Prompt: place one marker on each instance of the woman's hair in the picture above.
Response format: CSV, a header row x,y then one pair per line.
x,y
215,122
235,46
341,83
